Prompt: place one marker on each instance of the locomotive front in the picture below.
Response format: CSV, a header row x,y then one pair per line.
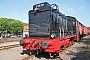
x,y
39,20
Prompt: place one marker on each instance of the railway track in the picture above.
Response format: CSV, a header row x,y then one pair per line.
x,y
55,58
9,46
9,40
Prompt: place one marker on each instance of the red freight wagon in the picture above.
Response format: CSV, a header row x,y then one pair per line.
x,y
88,30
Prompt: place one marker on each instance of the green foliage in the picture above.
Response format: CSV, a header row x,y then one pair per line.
x,y
3,24
11,26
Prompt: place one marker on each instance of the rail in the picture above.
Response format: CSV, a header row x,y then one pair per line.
x,y
9,46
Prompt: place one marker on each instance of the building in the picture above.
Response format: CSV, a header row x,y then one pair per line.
x,y
25,31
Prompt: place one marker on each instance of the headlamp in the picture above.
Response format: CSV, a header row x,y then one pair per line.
x,y
44,44
21,42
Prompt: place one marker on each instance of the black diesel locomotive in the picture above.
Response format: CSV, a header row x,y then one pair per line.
x,y
50,30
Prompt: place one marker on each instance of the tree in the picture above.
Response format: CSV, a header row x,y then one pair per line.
x,y
16,27
12,26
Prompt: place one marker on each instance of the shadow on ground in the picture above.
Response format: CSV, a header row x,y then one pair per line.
x,y
81,55
40,55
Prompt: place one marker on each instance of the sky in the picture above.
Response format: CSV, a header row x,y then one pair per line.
x,y
18,9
